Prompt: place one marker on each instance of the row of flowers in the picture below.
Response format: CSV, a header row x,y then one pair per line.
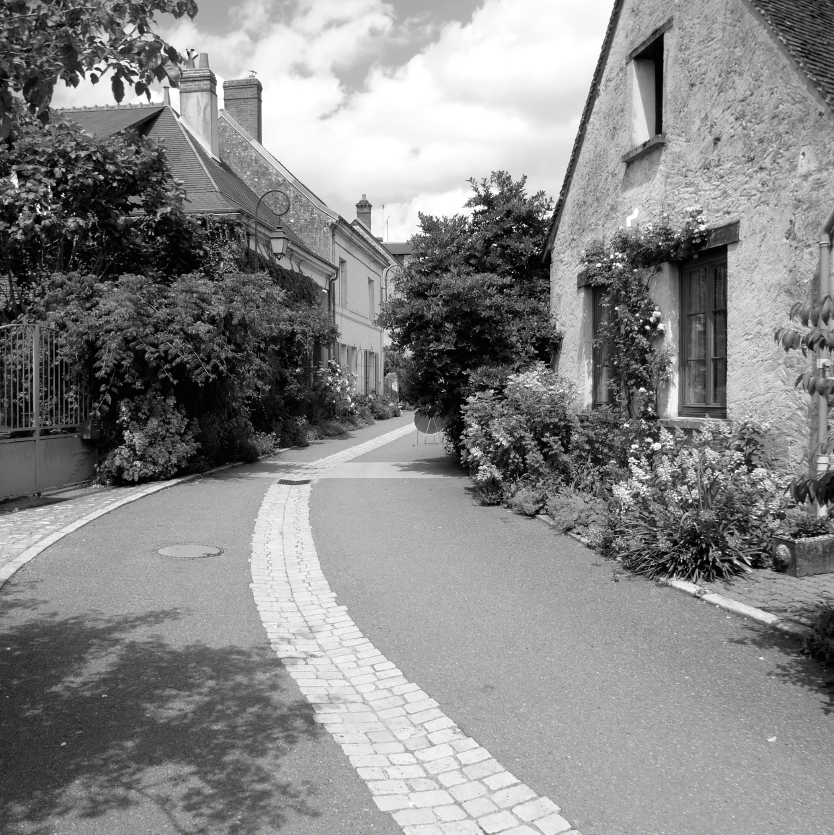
x,y
697,507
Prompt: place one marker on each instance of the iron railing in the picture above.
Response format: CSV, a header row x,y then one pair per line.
x,y
39,389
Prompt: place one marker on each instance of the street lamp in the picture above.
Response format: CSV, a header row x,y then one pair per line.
x,y
281,235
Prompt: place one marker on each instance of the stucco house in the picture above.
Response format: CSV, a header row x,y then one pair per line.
x,y
362,265
727,105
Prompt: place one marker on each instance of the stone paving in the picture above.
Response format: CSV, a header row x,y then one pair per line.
x,y
416,762
21,529
796,599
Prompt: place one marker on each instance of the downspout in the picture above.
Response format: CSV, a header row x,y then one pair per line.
x,y
822,359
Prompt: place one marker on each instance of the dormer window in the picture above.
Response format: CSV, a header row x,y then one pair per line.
x,y
647,92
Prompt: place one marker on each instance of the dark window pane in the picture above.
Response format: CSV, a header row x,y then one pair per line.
x,y
697,291
719,381
697,336
696,382
719,335
719,296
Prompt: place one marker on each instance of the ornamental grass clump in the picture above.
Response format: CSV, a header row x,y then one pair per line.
x,y
520,433
698,509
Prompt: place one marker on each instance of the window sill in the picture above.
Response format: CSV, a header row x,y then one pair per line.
x,y
647,147
694,423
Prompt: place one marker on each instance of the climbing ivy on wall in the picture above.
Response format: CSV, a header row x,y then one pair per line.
x,y
638,364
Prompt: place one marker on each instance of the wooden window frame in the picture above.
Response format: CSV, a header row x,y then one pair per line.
x,y
598,293
707,409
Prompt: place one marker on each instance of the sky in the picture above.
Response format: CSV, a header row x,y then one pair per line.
x,y
402,100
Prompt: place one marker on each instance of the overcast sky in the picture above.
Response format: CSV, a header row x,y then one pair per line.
x,y
403,100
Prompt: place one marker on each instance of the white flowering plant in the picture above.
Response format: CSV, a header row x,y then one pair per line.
x,y
333,392
519,433
697,508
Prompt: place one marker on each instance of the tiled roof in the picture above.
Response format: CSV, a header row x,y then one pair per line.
x,y
105,121
804,27
211,186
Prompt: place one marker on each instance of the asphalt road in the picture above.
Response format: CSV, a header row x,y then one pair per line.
x,y
637,709
138,693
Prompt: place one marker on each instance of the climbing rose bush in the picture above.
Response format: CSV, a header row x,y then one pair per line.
x,y
523,431
697,509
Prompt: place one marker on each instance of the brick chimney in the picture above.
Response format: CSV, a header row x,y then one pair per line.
x,y
198,101
242,100
363,212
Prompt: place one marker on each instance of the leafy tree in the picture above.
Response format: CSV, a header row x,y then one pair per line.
x,y
71,202
473,304
42,41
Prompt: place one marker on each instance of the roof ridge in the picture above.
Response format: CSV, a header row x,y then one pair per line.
x,y
583,125
112,106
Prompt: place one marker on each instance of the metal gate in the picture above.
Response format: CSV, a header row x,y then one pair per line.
x,y
44,400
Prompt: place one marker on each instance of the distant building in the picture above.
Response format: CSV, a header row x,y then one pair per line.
x,y
361,262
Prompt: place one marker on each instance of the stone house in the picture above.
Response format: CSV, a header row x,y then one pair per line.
x,y
362,265
727,105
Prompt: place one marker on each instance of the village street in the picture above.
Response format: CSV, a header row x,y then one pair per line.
x,y
143,694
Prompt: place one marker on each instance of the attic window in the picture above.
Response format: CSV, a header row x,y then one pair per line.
x,y
647,92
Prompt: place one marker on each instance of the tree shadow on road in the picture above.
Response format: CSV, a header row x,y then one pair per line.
x,y
794,668
99,716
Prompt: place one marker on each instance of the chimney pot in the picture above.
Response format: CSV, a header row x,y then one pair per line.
x,y
363,212
242,100
198,102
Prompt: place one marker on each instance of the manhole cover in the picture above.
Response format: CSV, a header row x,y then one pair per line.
x,y
295,480
190,552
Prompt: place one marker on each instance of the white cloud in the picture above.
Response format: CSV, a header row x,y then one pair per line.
x,y
504,91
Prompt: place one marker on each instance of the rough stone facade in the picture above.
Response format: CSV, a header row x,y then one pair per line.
x,y
746,138
307,219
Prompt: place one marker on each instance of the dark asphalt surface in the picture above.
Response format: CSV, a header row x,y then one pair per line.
x,y
138,693
636,708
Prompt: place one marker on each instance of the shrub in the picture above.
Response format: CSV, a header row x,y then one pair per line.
x,y
571,510
600,448
522,432
157,440
294,432
332,395
266,442
527,499
696,509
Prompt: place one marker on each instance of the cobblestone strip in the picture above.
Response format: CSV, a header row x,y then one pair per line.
x,y
416,762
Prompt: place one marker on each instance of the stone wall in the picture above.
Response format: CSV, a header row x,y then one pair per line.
x,y
747,140
305,217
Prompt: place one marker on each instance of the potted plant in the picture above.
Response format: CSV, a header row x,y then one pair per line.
x,y
804,545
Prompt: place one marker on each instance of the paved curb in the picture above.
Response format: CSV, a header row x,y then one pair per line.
x,y
13,566
727,603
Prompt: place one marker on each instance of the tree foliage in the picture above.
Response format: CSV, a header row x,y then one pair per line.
x,y
71,202
42,41
474,295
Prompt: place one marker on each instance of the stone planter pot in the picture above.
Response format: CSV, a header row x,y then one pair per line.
x,y
801,557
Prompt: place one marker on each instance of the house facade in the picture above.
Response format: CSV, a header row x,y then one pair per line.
x,y
726,105
361,264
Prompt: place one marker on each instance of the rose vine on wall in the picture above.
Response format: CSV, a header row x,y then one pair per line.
x,y
637,364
